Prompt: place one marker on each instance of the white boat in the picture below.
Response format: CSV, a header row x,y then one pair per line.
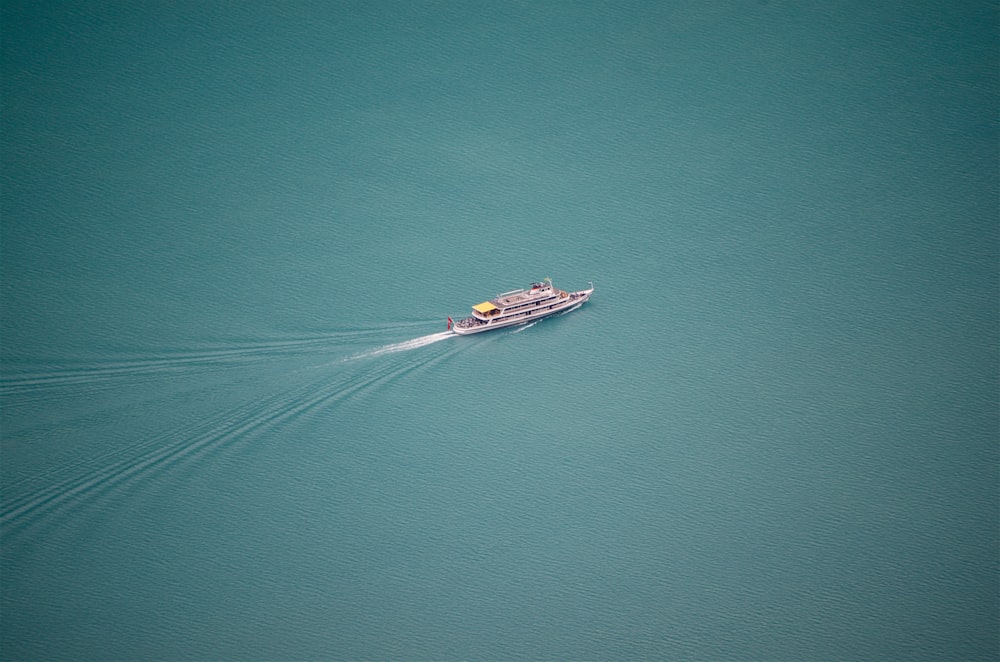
x,y
520,307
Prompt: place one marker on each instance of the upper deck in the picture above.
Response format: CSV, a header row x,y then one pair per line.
x,y
508,302
514,297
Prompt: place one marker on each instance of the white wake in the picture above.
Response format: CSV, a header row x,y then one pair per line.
x,y
406,345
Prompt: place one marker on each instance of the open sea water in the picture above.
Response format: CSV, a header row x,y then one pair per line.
x,y
233,428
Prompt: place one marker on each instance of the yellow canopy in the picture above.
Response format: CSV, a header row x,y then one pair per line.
x,y
484,307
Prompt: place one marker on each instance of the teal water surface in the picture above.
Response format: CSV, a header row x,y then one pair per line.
x,y
232,427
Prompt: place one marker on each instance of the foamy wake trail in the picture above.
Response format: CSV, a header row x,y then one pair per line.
x,y
406,345
115,477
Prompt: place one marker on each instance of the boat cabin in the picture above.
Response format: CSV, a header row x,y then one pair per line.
x,y
486,309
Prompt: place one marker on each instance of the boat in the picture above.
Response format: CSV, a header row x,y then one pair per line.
x,y
520,307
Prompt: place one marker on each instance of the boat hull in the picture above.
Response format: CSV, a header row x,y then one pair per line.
x,y
572,301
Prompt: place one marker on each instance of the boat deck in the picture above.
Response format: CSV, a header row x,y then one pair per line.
x,y
520,307
520,296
